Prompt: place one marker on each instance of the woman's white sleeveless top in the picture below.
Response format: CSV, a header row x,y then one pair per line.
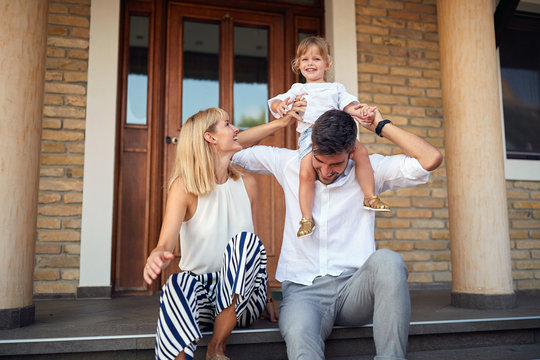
x,y
220,215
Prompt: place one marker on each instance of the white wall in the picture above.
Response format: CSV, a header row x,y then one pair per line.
x,y
98,189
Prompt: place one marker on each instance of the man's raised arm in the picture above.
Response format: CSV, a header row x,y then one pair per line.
x,y
412,145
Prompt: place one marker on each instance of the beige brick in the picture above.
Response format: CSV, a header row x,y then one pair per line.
x,y
526,204
519,234
53,100
391,99
383,234
371,68
59,210
387,41
375,88
72,77
53,76
63,42
76,148
48,223
439,193
442,277
424,27
523,285
397,202
66,64
518,214
429,9
369,11
78,53
51,172
525,224
57,30
73,249
405,71
55,287
442,256
369,29
70,124
65,261
64,88
57,8
424,64
391,80
75,172
363,19
80,33
52,124
79,101
59,235
389,22
71,198
528,244
71,224
428,224
404,90
42,249
408,111
62,160
430,266
414,213
427,102
392,223
517,194
47,198
80,10
416,192
415,277
64,112
56,53
415,256
387,4
421,44
48,147
403,15
76,21
428,203
521,275
431,245
440,234
396,245
46,274
520,254
440,214
527,264
529,185
70,274
434,93
412,235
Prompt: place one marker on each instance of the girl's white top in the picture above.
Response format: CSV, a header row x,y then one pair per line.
x,y
220,215
320,98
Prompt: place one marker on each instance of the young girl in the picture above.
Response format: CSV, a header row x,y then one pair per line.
x,y
313,60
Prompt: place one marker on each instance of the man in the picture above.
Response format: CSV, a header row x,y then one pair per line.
x,y
336,276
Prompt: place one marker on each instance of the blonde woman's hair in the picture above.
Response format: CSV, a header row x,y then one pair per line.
x,y
194,161
303,47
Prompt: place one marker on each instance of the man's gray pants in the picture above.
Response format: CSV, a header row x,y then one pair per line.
x,y
377,292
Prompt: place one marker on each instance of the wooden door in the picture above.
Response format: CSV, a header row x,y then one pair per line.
x,y
233,59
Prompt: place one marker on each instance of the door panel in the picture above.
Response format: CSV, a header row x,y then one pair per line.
x,y
248,49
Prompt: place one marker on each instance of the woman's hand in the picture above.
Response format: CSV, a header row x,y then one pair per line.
x,y
269,312
155,263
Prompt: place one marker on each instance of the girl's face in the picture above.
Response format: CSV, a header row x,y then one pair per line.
x,y
313,65
224,136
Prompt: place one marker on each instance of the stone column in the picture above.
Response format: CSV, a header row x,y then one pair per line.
x,y
23,43
481,268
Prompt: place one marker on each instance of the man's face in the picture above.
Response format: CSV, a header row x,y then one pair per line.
x,y
330,167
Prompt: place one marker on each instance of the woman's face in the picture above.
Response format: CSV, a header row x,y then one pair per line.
x,y
225,136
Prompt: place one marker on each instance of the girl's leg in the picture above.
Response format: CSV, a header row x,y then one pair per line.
x,y
306,193
366,180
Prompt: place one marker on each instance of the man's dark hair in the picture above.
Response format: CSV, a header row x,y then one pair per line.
x,y
334,132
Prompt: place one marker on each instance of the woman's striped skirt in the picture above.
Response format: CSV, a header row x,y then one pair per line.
x,y
189,303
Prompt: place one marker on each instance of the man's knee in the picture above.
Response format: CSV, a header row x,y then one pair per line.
x,y
389,264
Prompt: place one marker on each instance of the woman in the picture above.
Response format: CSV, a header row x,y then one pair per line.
x,y
223,278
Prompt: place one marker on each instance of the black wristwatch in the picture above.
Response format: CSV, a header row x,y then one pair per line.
x,y
380,125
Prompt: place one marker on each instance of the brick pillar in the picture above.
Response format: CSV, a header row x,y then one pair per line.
x,y
23,35
480,246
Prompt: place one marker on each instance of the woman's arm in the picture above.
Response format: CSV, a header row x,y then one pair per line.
x,y
175,212
253,135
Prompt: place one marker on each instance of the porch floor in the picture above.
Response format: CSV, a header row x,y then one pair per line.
x,y
129,324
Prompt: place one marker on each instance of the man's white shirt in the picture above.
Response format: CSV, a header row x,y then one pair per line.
x,y
344,235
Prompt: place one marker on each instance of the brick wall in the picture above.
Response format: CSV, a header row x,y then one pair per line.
x,y
398,69
62,149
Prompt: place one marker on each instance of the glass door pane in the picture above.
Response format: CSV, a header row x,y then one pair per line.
x,y
200,83
137,81
250,89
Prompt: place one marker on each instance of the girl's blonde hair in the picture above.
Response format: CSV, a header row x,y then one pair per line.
x,y
194,161
303,47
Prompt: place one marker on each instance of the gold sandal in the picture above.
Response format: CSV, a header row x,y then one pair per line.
x,y
306,227
374,203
